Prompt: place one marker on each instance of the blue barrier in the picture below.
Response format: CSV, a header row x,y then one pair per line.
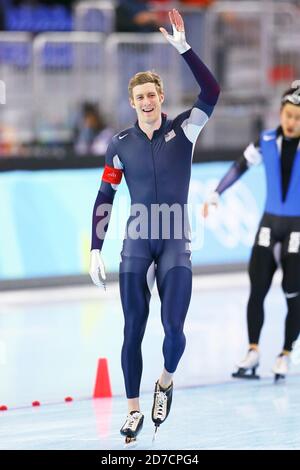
x,y
16,54
38,19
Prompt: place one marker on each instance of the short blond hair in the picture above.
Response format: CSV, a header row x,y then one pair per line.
x,y
141,78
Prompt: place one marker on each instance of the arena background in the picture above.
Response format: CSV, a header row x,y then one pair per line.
x,y
58,59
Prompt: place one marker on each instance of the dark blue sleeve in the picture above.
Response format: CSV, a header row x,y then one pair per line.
x,y
209,86
238,168
103,203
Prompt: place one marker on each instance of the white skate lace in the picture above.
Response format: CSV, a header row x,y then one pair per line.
x,y
131,421
161,401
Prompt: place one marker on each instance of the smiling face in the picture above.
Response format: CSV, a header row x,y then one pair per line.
x,y
147,101
146,96
290,120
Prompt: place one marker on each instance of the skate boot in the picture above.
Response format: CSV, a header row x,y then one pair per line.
x,y
247,367
281,367
132,426
162,400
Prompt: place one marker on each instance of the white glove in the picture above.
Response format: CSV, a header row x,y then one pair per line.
x,y
178,39
97,269
211,201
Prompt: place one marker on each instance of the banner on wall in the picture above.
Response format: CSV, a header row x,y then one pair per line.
x,y
46,216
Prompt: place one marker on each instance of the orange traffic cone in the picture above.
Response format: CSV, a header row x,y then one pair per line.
x,y
102,386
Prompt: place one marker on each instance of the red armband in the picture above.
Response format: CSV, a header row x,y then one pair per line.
x,y
112,175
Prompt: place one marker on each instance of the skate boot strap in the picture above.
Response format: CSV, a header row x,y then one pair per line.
x,y
163,389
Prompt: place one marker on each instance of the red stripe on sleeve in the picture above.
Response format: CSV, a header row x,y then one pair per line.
x,y
112,175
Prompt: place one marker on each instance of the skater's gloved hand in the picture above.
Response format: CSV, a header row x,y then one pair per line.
x,y
178,39
211,202
97,269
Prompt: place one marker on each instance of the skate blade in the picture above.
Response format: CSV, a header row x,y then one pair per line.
x,y
155,433
130,442
238,375
278,378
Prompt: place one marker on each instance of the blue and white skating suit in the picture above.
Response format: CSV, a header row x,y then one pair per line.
x,y
278,235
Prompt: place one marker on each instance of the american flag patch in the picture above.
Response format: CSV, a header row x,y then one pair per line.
x,y
170,135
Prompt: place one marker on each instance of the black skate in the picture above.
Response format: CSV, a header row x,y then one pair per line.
x,y
132,426
162,401
247,367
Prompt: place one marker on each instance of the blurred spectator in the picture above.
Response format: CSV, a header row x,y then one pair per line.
x,y
136,16
92,135
9,144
